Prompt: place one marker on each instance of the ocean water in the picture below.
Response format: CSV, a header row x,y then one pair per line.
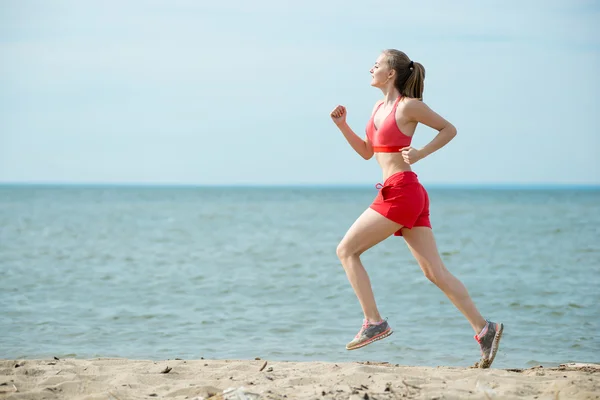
x,y
237,273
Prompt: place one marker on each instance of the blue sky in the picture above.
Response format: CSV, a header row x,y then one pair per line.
x,y
239,92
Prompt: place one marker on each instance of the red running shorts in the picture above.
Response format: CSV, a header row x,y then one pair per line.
x,y
404,200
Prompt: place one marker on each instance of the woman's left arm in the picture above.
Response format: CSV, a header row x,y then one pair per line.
x,y
420,112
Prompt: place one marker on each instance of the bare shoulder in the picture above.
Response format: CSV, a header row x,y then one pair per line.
x,y
414,105
419,111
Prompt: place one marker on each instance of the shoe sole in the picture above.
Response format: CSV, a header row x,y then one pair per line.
x,y
487,363
382,335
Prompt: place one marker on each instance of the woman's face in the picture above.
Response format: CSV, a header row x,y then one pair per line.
x,y
380,72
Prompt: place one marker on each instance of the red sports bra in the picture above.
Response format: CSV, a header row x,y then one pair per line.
x,y
388,138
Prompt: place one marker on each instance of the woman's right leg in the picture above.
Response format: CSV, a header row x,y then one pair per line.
x,y
368,230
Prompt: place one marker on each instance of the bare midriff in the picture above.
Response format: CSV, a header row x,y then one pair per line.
x,y
391,163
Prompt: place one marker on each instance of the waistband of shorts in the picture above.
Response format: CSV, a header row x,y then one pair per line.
x,y
401,177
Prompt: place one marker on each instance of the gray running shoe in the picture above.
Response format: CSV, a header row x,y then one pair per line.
x,y
369,333
489,342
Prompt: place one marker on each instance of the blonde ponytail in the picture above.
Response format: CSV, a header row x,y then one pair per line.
x,y
410,75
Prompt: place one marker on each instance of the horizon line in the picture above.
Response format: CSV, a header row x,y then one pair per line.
x,y
490,185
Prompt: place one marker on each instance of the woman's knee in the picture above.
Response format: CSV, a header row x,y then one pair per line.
x,y
435,271
345,251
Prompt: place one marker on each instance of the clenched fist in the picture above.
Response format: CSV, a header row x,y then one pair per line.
x,y
411,155
338,115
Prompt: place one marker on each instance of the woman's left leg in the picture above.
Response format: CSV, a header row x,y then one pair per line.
x,y
421,242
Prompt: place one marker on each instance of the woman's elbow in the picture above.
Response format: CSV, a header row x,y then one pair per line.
x,y
452,130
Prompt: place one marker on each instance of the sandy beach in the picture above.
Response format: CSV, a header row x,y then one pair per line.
x,y
121,379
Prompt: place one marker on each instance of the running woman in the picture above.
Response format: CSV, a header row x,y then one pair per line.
x,y
401,207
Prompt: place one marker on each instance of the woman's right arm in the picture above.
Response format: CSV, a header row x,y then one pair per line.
x,y
362,147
